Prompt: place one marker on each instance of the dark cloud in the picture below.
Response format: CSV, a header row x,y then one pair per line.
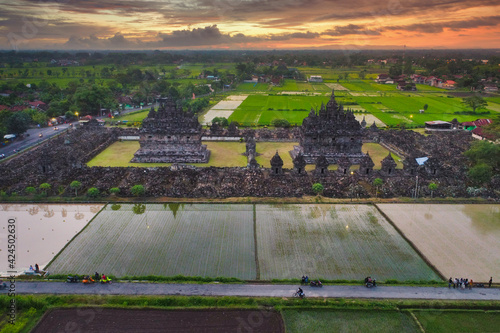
x,y
351,29
294,35
452,25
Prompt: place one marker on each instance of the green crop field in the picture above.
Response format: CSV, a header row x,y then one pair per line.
x,y
170,239
345,321
251,87
434,321
333,242
368,85
262,109
404,108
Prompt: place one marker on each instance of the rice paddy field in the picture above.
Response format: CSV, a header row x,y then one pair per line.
x,y
459,240
431,321
42,230
333,242
319,321
323,241
169,239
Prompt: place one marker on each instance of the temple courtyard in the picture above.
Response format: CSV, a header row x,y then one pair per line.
x,y
226,154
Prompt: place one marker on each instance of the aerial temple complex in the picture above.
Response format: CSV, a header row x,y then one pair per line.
x,y
331,132
171,135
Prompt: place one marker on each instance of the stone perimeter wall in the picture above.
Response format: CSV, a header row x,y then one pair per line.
x,y
65,162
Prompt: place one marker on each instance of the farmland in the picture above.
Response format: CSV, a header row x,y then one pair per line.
x,y
327,241
45,229
170,239
459,240
333,242
319,321
434,321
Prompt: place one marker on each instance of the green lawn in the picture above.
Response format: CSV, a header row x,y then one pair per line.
x,y
434,321
225,154
345,321
222,154
378,153
133,116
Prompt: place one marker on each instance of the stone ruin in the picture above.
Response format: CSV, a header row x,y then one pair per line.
x,y
333,133
171,135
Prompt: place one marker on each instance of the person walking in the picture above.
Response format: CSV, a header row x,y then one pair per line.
x,y
490,282
450,282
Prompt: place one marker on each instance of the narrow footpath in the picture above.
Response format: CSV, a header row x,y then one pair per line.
x,y
256,290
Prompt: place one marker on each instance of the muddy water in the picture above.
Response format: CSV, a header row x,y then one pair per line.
x,y
41,231
460,240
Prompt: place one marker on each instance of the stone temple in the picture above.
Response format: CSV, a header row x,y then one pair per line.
x,y
171,135
332,132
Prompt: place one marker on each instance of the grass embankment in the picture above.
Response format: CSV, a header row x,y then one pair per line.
x,y
433,315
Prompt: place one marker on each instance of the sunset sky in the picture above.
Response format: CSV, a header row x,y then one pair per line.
x,y
248,24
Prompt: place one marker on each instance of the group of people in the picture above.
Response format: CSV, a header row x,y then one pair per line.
x,y
103,278
465,283
36,269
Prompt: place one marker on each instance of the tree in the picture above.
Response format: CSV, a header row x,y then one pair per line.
x,y
432,188
45,187
90,99
221,120
317,188
75,185
137,190
18,123
377,182
114,190
93,192
484,152
281,123
30,190
480,174
426,107
475,102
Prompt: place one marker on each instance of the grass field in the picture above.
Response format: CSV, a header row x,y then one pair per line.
x,y
319,321
222,154
170,239
459,240
132,117
226,154
333,242
458,321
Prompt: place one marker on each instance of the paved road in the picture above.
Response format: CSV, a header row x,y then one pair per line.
x,y
32,139
253,290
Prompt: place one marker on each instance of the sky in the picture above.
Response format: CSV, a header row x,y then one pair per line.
x,y
248,24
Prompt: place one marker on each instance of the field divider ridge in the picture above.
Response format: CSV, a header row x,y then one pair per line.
x,y
76,235
257,267
426,260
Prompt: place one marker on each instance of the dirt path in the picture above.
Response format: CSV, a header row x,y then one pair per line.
x,y
251,290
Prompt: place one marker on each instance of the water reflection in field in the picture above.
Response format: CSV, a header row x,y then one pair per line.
x,y
41,231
